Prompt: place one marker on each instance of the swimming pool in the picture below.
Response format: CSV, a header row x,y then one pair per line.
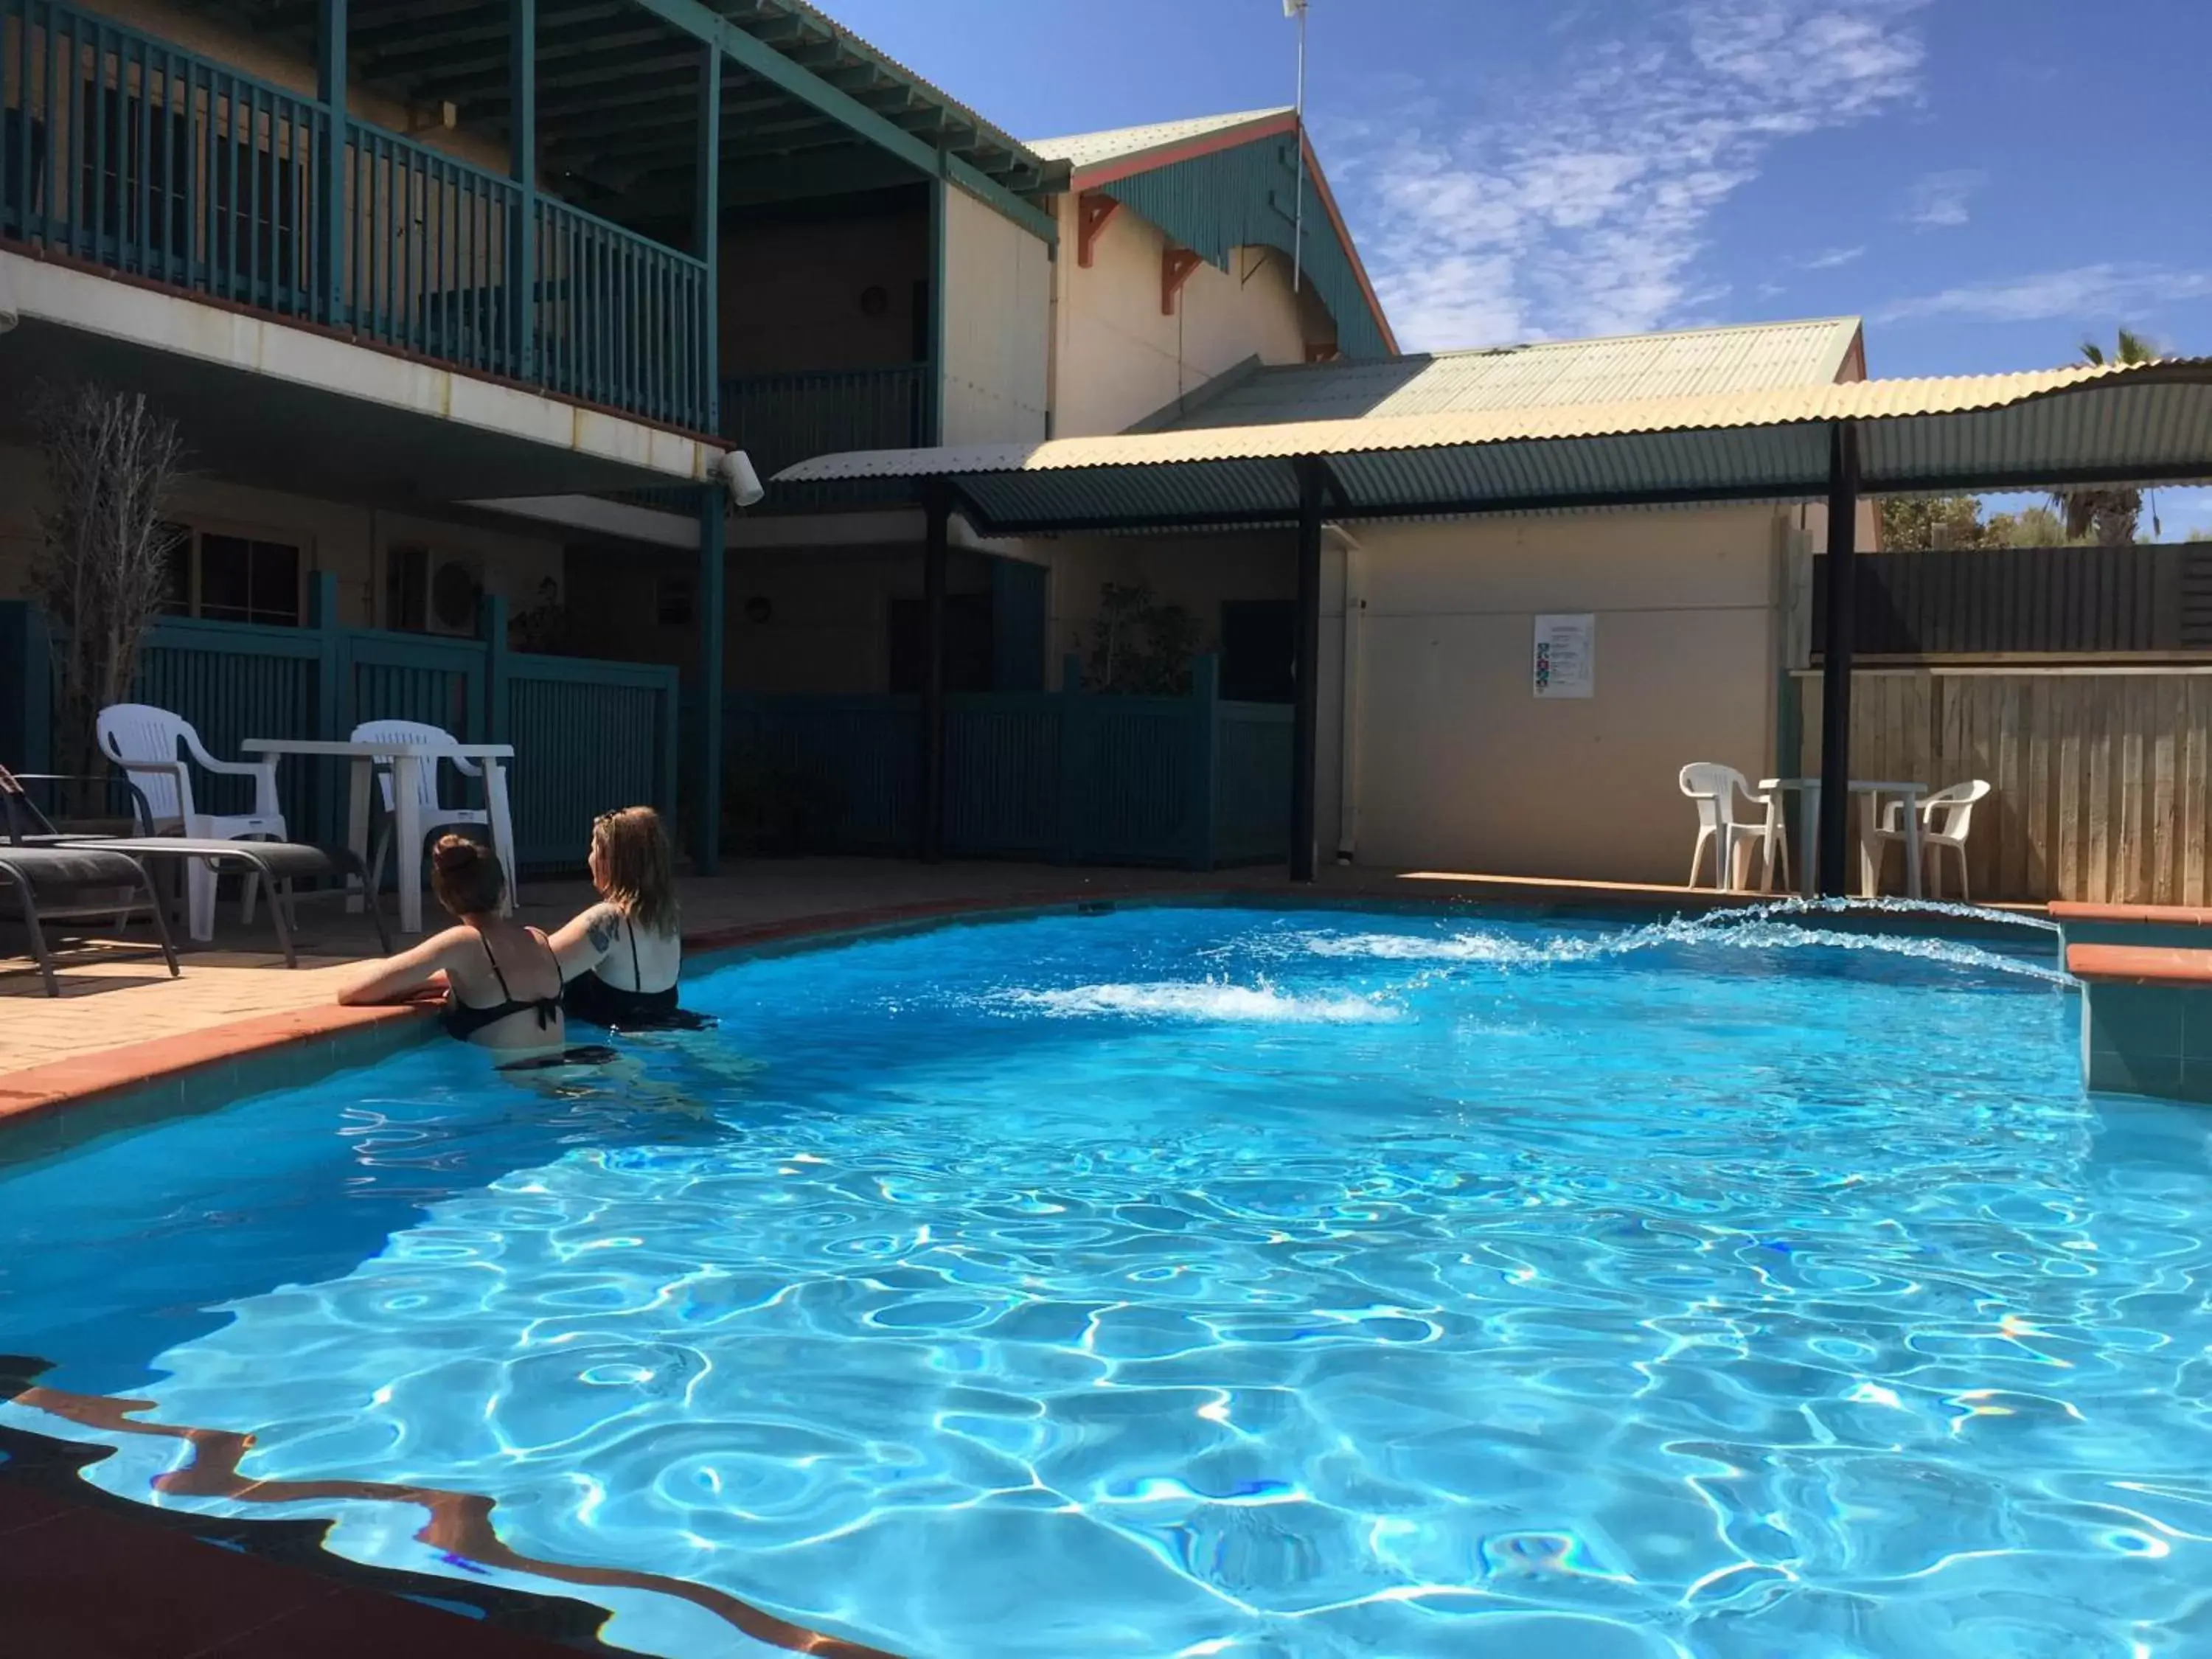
x,y
1213,1280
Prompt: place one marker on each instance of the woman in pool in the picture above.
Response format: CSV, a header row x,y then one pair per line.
x,y
503,980
623,956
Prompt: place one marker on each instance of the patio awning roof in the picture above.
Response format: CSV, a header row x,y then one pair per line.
x,y
2145,423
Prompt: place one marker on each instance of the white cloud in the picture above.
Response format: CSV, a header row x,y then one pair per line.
x,y
2090,294
1938,201
1834,258
1577,198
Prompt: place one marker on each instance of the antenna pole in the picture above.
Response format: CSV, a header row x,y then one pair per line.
x,y
1299,216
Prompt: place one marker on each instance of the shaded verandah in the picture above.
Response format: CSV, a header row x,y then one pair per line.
x,y
2140,424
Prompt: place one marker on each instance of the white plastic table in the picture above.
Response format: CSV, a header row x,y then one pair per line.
x,y
1870,792
407,760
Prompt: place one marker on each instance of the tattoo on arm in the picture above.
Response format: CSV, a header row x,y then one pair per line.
x,y
601,932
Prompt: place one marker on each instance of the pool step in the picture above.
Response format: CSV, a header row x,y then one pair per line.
x,y
2146,974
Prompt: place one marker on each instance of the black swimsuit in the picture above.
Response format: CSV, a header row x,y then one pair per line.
x,y
591,998
465,1021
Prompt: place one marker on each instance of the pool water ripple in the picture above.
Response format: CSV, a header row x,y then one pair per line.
x,y
1110,1285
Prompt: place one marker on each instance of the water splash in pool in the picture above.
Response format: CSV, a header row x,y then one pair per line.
x,y
1205,1000
1773,927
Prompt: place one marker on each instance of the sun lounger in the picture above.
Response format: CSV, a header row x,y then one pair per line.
x,y
36,865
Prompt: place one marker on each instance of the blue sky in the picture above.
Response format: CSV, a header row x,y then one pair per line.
x,y
1986,181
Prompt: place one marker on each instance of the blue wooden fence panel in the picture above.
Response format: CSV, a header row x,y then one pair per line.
x,y
234,680
588,736
852,761
1067,775
1002,760
600,736
26,721
1133,756
1252,782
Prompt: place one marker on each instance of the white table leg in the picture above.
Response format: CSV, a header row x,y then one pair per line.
x,y
1870,848
407,838
1911,809
502,825
357,823
1808,841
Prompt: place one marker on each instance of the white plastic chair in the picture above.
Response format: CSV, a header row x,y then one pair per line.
x,y
1945,818
144,742
1713,789
436,817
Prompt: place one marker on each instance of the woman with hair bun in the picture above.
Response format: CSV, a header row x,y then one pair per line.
x,y
503,980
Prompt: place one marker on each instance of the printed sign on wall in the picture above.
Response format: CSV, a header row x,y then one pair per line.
x,y
1566,664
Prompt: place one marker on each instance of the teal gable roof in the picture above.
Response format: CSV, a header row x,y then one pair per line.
x,y
1228,182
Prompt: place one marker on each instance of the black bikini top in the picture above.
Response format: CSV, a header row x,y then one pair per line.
x,y
465,1021
592,1000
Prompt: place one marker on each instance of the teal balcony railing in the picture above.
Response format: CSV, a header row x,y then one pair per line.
x,y
621,320
779,419
120,151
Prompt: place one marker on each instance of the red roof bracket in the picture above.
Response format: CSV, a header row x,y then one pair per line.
x,y
1176,264
1092,211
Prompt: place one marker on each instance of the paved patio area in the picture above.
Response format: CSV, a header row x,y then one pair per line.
x,y
109,1004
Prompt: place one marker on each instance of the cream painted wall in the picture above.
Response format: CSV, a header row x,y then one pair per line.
x,y
998,305
1462,768
1116,358
350,542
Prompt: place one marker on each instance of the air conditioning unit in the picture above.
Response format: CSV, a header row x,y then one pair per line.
x,y
430,591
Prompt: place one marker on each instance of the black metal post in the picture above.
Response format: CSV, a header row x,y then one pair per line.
x,y
1835,656
1305,728
708,607
937,514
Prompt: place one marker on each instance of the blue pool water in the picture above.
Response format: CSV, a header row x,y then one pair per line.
x,y
1224,1282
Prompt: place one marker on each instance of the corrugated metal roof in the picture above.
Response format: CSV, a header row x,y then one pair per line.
x,y
1695,362
1084,149
2148,421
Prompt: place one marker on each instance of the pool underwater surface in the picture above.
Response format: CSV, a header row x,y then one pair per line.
x,y
1220,1281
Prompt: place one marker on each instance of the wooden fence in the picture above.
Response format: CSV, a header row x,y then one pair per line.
x,y
588,736
1072,776
2145,600
2102,775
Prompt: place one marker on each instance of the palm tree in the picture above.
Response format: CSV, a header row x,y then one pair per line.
x,y
2112,515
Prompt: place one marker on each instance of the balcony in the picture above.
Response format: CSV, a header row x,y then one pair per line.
x,y
779,419
119,152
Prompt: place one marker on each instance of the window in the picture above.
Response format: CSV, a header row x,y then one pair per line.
x,y
225,578
23,179
1258,650
134,176
256,196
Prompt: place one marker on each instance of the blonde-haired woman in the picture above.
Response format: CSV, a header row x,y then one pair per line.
x,y
623,956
